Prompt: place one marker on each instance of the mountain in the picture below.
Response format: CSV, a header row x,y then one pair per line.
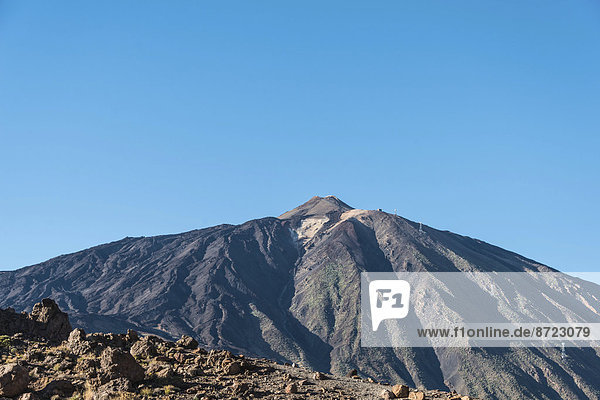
x,y
288,288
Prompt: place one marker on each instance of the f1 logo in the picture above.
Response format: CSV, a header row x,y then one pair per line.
x,y
389,300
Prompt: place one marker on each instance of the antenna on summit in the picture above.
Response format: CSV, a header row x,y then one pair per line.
x,y
420,227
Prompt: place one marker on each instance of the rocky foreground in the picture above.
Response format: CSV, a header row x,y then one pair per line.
x,y
42,358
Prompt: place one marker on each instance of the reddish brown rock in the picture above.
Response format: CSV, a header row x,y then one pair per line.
x,y
416,396
291,388
400,391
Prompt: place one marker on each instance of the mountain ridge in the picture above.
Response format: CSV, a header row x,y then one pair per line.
x,y
291,214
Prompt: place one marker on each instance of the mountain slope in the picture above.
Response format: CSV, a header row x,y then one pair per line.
x,y
288,288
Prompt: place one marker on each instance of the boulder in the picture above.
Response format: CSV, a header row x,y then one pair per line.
x,y
144,348
319,376
159,370
118,364
187,342
232,368
240,388
58,387
87,367
291,388
165,372
113,389
77,342
132,336
76,336
416,396
400,391
46,320
13,380
57,325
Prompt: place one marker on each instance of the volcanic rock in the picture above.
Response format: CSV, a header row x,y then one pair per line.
x,y
13,380
119,364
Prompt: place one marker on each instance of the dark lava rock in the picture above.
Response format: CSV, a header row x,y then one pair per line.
x,y
187,342
118,364
46,320
13,380
77,342
143,348
113,389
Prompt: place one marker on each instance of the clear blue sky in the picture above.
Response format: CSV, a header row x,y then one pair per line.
x,y
128,118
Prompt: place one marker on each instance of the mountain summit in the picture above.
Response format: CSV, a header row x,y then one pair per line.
x,y
288,288
317,206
